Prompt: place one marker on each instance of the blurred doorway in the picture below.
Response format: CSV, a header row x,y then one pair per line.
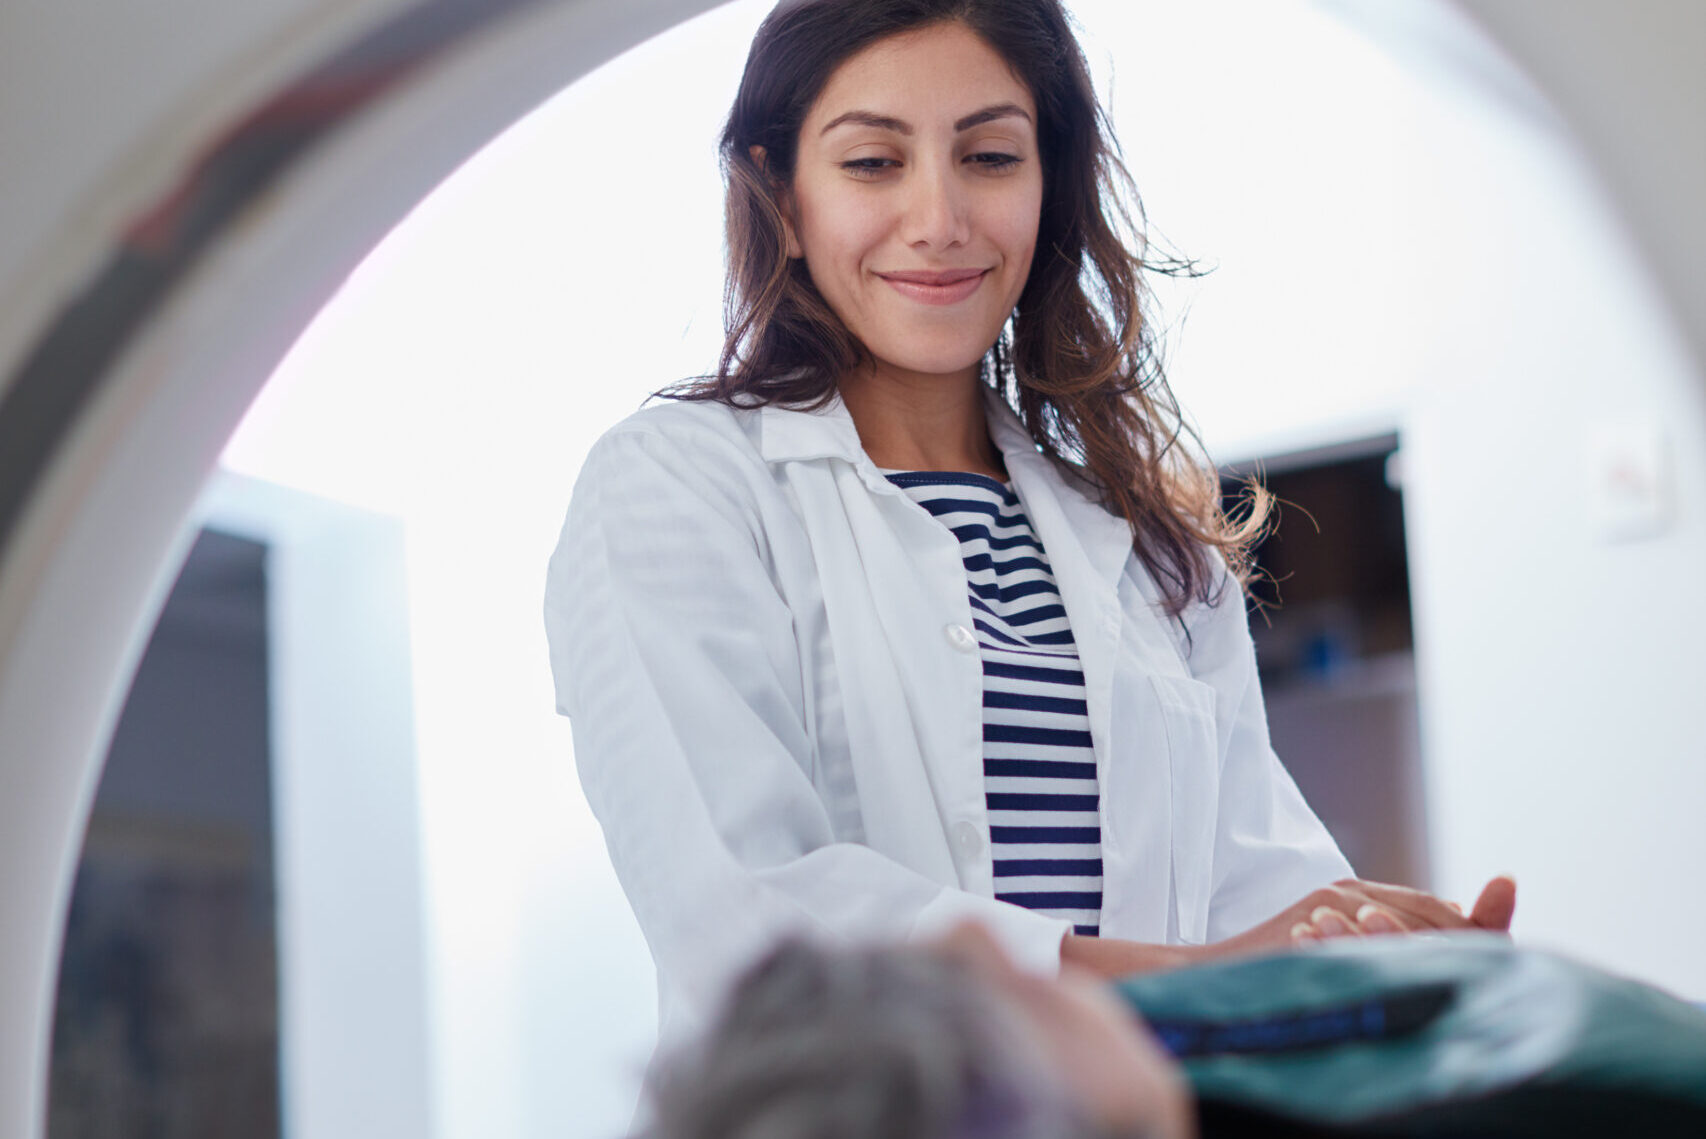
x,y
166,1022
1335,649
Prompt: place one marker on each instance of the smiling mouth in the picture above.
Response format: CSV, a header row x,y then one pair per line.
x,y
946,287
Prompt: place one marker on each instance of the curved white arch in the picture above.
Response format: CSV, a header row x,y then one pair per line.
x,y
1630,80
87,564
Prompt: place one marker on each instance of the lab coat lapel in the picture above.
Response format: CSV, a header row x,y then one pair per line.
x,y
1120,641
913,704
1086,547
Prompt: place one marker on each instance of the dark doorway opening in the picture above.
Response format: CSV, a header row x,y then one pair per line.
x,y
166,1020
1335,649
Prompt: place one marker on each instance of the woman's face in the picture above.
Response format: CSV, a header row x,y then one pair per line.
x,y
916,195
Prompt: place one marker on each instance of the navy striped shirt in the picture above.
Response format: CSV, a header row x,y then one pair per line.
x,y
1039,770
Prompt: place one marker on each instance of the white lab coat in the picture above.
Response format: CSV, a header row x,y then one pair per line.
x,y
758,641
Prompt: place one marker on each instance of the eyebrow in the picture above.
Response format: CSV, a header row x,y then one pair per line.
x,y
890,123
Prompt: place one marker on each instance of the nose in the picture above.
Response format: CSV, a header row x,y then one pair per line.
x,y
937,212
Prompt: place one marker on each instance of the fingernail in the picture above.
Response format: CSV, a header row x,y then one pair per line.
x,y
1330,921
1372,917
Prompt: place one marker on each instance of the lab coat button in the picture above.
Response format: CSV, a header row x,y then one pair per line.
x,y
961,638
967,840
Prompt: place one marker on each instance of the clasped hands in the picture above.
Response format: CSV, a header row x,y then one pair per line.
x,y
1350,907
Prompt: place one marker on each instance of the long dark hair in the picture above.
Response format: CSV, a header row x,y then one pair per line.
x,y
1079,361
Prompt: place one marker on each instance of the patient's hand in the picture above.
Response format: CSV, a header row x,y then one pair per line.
x,y
1353,908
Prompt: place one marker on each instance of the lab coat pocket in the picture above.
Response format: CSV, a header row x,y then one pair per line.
x,y
1187,712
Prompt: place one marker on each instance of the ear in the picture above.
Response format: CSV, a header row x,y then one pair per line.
x,y
784,202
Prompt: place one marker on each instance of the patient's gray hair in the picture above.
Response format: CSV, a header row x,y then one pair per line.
x,y
893,1043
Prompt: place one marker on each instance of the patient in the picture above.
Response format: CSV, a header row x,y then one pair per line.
x,y
1464,1035
950,1042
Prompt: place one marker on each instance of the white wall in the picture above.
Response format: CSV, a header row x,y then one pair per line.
x,y
1561,667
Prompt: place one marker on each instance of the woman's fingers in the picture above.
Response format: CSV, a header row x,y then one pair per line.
x,y
1356,908
1326,922
1329,922
1496,905
1376,919
1419,910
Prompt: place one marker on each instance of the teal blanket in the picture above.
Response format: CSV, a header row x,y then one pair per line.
x,y
1466,1035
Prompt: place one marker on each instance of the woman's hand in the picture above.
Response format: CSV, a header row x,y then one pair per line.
x,y
1112,958
1354,908
1347,908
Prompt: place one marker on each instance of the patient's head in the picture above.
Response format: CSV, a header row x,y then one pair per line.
x,y
945,1042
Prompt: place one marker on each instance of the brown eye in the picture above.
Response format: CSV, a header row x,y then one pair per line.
x,y
868,167
994,160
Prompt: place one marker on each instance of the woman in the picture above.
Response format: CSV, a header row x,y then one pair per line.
x,y
853,647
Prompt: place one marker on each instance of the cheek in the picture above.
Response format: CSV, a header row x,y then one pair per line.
x,y
1014,227
837,230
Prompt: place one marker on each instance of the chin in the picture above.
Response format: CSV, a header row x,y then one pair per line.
x,y
939,362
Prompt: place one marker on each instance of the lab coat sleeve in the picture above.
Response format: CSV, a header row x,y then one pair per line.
x,y
1270,849
676,662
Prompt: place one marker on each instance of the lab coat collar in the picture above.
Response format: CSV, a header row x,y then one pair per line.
x,y
789,434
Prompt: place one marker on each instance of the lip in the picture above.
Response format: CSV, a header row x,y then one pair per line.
x,y
940,287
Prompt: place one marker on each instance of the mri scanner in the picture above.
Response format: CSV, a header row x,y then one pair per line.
x,y
182,186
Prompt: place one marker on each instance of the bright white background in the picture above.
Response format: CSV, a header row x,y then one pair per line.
x,y
1403,241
